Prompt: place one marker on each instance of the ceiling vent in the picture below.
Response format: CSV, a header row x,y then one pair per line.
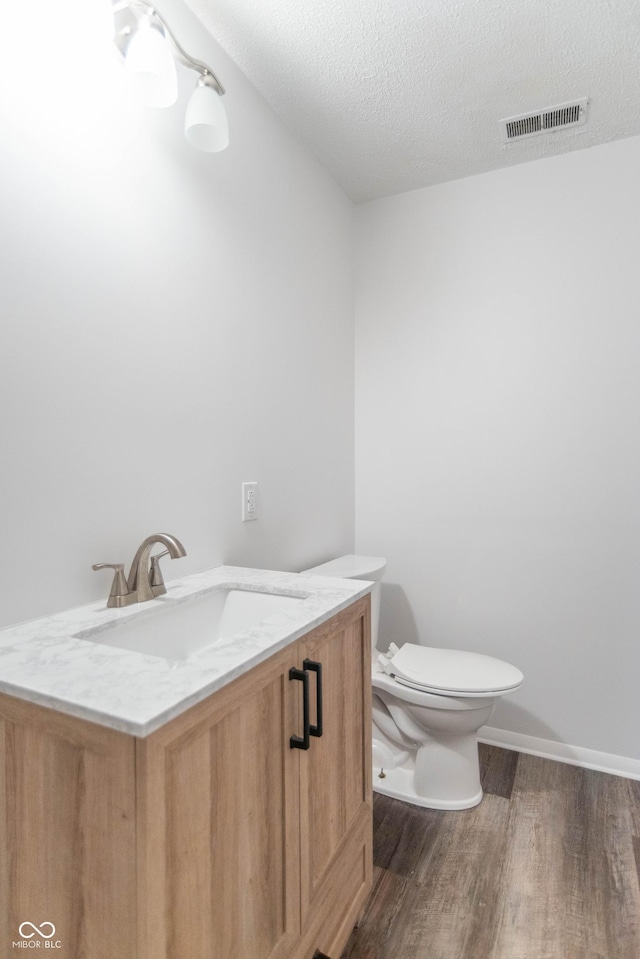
x,y
544,121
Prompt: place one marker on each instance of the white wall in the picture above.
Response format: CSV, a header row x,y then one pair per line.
x,y
172,323
498,430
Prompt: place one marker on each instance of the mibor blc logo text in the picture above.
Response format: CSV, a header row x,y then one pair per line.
x,y
36,937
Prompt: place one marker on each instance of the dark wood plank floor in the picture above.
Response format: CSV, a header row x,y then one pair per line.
x,y
546,867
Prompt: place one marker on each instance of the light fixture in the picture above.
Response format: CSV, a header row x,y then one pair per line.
x,y
150,48
205,125
150,65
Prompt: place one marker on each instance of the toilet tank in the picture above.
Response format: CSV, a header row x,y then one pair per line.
x,y
352,566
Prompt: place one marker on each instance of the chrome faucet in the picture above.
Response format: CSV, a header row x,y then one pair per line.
x,y
145,577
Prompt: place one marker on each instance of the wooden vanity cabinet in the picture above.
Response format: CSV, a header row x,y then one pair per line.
x,y
335,787
67,835
211,838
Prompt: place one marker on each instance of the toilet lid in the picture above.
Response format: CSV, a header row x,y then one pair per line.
x,y
451,671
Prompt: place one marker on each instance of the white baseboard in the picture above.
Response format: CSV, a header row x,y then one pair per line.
x,y
549,749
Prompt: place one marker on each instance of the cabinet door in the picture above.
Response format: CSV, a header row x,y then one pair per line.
x,y
219,853
335,778
67,835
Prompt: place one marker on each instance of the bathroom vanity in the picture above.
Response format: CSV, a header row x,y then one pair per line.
x,y
223,814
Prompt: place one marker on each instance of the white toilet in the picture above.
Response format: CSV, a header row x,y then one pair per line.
x,y
428,705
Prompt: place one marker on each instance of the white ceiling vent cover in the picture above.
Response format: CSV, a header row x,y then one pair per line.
x,y
560,117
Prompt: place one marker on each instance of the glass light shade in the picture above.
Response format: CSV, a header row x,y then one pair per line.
x,y
150,65
206,126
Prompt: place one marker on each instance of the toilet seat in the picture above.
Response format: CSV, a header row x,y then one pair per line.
x,y
421,696
451,672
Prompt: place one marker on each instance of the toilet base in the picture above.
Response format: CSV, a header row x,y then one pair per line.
x,y
398,784
452,782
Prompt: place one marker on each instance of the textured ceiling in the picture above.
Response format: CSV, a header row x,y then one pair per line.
x,y
392,95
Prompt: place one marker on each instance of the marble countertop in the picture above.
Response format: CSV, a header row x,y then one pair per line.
x,y
44,662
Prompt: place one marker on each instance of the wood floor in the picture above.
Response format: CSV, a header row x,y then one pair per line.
x,y
546,867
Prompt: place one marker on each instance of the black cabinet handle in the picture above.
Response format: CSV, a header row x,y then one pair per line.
x,y
317,669
302,742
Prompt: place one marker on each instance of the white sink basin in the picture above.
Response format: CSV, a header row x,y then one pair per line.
x,y
176,630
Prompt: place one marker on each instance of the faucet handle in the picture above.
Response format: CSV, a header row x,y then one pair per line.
x,y
119,589
156,582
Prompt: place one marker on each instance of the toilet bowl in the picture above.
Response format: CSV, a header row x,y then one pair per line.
x,y
427,707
